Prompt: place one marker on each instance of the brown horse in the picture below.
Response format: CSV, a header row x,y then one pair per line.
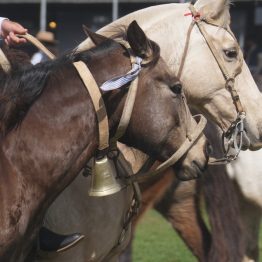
x,y
179,203
180,206
49,131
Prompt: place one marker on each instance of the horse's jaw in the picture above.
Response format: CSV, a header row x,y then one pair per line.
x,y
226,116
191,167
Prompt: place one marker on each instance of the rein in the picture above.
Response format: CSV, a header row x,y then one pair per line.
x,y
4,62
141,176
37,44
233,137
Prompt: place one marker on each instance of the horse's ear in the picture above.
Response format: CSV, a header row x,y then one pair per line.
x,y
138,40
217,10
96,38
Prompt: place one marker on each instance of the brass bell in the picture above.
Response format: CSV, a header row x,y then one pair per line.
x,y
103,181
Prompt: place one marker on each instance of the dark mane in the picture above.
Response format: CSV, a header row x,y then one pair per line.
x,y
21,87
18,90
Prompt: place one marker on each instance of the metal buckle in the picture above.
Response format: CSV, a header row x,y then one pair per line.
x,y
232,139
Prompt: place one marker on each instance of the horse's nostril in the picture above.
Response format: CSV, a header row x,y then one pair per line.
x,y
209,149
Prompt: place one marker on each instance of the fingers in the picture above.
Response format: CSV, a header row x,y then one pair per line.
x,y
9,31
10,26
18,29
12,39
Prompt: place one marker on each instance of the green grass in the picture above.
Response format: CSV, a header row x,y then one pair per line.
x,y
156,241
260,243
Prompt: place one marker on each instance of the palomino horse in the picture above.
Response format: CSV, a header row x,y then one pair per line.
x,y
201,76
164,22
49,131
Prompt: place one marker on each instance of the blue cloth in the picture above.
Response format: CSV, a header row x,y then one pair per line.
x,y
119,81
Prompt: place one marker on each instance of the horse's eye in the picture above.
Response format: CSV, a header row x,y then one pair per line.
x,y
176,88
231,53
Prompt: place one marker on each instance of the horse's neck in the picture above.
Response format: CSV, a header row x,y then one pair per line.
x,y
56,137
164,24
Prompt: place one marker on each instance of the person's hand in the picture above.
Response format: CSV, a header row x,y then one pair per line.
x,y
9,29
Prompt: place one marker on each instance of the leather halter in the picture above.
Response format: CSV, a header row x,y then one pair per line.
x,y
143,174
124,121
234,135
104,144
4,62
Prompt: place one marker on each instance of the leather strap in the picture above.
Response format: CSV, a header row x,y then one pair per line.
x,y
234,134
228,78
129,103
95,94
218,161
127,112
140,177
183,59
38,44
5,64
98,103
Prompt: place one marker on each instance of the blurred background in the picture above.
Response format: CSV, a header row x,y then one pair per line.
x,y
65,17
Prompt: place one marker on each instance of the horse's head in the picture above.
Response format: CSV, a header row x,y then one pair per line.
x,y
160,120
210,62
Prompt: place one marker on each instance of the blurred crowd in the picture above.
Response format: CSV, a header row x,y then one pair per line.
x,y
252,48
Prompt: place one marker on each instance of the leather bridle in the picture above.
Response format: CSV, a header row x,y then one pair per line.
x,y
104,144
190,140
233,137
